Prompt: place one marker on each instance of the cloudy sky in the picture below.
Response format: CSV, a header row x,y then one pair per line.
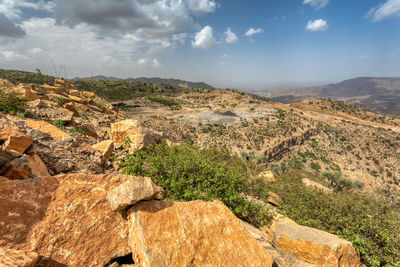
x,y
239,44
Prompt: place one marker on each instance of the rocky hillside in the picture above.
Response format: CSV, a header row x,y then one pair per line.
x,y
154,80
235,180
380,95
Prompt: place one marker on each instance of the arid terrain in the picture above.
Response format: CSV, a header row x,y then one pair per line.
x,y
283,184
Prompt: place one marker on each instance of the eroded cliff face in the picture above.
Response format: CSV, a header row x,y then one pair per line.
x,y
276,151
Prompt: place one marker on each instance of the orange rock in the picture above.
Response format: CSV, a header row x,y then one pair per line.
x,y
27,166
314,246
60,83
8,128
30,95
53,89
75,93
132,133
131,192
88,94
191,234
48,128
12,257
105,147
76,99
18,143
66,218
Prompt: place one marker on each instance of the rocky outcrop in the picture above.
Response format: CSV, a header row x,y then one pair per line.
x,y
65,218
105,147
316,186
313,245
280,258
133,191
24,167
266,176
18,143
191,234
133,134
12,257
276,151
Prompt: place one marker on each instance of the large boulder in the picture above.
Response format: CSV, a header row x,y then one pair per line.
x,y
24,167
8,128
194,233
130,132
12,257
18,143
313,245
66,219
280,258
133,191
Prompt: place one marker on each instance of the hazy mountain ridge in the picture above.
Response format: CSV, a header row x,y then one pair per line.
x,y
155,80
378,94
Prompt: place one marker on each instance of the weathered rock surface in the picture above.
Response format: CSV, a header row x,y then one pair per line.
x,y
7,156
138,136
48,128
276,151
7,128
267,176
12,258
313,245
24,167
66,218
18,143
133,191
274,199
280,258
191,234
105,147
316,186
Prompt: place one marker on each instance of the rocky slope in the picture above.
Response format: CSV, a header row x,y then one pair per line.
x,y
63,201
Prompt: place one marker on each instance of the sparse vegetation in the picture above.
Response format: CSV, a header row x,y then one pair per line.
x,y
12,102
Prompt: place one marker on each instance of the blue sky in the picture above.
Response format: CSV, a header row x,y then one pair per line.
x,y
288,42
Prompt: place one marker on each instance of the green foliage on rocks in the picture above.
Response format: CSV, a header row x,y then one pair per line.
x,y
13,103
187,173
370,221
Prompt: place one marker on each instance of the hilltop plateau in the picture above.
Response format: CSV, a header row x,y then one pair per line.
x,y
123,173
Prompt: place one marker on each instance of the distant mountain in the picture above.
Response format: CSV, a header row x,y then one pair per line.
x,y
381,95
173,82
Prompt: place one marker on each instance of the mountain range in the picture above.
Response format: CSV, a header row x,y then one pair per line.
x,y
378,94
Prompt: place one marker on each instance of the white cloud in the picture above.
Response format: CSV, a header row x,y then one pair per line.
x,y
204,39
12,8
317,4
45,42
201,7
230,37
250,32
391,8
317,25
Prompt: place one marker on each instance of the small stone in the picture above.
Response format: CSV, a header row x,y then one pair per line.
x,y
274,199
106,148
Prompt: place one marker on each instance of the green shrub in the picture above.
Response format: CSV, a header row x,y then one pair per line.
x,y
58,123
77,131
187,173
169,102
12,103
371,222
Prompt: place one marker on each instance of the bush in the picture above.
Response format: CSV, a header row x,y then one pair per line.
x,y
12,103
371,222
187,173
58,123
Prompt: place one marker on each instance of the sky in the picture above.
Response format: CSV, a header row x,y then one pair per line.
x,y
253,44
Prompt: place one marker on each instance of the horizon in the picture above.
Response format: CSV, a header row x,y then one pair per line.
x,y
247,45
